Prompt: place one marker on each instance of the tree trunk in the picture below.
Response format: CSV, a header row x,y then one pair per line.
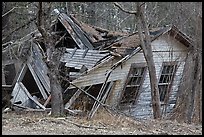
x,y
147,50
53,58
55,87
189,101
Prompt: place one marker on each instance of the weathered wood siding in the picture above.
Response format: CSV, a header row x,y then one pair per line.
x,y
164,49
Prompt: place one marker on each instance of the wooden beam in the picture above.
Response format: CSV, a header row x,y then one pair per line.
x,y
73,98
102,100
37,81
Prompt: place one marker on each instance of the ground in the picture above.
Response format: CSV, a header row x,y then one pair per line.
x,y
38,123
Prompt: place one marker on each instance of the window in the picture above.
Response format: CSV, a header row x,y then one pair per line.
x,y
133,84
166,78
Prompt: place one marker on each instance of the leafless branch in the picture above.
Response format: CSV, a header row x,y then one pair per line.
x,y
16,29
8,12
11,10
126,11
60,39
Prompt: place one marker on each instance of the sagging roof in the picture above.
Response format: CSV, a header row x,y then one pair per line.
x,y
128,44
122,43
75,31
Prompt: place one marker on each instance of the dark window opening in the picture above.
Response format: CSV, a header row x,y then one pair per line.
x,y
67,95
133,84
10,73
166,78
67,42
85,102
30,84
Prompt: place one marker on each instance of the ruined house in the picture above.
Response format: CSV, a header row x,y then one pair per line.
x,y
108,65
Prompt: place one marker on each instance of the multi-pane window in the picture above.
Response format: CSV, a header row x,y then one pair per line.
x,y
166,79
133,84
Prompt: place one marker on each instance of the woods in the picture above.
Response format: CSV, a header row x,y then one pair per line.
x,y
65,41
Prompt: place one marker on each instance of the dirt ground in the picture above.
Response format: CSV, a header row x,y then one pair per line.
x,y
38,123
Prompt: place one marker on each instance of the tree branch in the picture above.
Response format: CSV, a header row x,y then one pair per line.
x,y
39,22
16,29
11,10
126,11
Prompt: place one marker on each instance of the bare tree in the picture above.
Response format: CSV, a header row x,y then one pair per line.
x,y
147,50
189,102
52,60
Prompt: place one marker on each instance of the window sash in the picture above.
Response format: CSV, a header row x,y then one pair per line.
x,y
166,79
133,84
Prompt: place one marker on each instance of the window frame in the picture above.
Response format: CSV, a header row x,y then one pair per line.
x,y
169,84
128,78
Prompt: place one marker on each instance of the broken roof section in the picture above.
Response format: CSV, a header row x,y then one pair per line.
x,y
78,57
75,31
86,36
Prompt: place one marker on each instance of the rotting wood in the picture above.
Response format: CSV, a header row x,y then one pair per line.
x,y
105,105
40,74
37,81
94,108
47,101
73,98
29,96
75,31
101,98
115,65
72,112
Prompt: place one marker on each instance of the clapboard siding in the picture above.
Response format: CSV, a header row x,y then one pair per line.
x,y
165,50
178,53
166,42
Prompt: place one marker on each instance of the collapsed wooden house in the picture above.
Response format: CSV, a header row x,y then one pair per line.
x,y
108,65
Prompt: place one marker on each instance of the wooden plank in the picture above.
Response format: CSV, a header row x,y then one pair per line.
x,y
72,33
90,54
77,53
37,81
101,98
78,65
75,32
98,56
69,50
7,86
41,75
88,60
47,101
28,94
78,31
85,52
22,73
94,59
86,63
18,94
73,98
73,52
